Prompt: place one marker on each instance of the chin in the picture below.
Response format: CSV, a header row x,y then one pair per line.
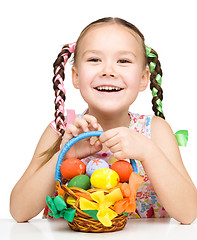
x,y
110,109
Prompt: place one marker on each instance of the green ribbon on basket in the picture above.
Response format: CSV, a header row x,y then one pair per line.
x,y
59,208
182,137
92,213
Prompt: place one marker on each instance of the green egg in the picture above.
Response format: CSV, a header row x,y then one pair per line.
x,y
80,181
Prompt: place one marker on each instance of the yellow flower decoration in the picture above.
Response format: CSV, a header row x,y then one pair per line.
x,y
102,204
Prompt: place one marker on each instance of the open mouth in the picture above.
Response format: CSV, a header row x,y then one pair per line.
x,y
108,89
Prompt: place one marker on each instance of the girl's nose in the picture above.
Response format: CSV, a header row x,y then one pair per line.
x,y
109,74
108,71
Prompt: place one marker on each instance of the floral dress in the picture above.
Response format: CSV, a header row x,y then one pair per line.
x,y
147,202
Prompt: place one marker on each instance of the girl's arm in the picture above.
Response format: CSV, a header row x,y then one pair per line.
x,y
166,171
162,162
28,197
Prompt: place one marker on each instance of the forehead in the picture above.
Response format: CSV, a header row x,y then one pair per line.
x,y
110,37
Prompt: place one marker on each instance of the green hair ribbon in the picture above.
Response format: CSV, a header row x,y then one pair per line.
x,y
158,78
182,137
148,52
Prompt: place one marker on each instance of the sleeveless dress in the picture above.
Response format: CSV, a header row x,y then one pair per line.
x,y
147,202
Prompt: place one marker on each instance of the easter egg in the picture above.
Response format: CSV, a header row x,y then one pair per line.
x,y
104,178
72,167
95,164
80,181
123,168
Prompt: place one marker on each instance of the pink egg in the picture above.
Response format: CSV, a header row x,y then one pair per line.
x,y
95,164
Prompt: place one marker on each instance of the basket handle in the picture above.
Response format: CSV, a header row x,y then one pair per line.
x,y
70,143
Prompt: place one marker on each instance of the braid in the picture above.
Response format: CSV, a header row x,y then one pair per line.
x,y
58,85
155,81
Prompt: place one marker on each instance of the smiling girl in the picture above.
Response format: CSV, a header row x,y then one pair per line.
x,y
110,68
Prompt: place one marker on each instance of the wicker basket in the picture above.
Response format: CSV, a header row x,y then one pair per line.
x,y
82,221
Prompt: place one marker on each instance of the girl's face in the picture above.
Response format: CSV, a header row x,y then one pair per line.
x,y
110,68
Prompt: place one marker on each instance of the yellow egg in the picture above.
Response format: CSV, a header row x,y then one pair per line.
x,y
104,178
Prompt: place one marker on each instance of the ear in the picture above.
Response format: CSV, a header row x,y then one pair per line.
x,y
145,79
75,79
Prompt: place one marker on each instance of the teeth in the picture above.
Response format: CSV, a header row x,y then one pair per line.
x,y
108,88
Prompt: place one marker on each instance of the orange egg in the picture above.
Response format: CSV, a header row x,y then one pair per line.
x,y
72,167
123,168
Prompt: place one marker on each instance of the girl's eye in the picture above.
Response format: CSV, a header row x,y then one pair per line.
x,y
93,60
123,61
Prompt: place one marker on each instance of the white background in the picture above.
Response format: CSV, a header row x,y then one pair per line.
x,y
32,34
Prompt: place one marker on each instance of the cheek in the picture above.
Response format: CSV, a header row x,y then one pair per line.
x,y
86,76
133,79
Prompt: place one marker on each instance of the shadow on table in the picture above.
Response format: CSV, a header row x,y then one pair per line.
x,y
154,229
26,230
182,232
61,229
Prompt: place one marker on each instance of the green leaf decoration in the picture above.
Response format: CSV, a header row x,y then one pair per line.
x,y
125,213
59,208
92,213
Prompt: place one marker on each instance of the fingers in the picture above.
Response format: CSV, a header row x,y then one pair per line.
x,y
93,124
71,130
115,148
97,146
69,133
108,137
86,123
112,141
83,124
113,144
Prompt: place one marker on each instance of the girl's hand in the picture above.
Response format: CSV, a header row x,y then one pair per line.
x,y
85,147
125,143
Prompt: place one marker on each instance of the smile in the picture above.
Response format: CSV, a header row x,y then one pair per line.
x,y
108,89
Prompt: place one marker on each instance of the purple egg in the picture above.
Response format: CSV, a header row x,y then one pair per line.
x,y
95,164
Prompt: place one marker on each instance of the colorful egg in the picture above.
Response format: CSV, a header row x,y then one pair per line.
x,y
123,168
80,181
72,167
95,164
104,178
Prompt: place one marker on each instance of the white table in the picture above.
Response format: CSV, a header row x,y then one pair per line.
x,y
153,229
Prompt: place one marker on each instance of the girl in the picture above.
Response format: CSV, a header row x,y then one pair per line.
x,y
110,68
